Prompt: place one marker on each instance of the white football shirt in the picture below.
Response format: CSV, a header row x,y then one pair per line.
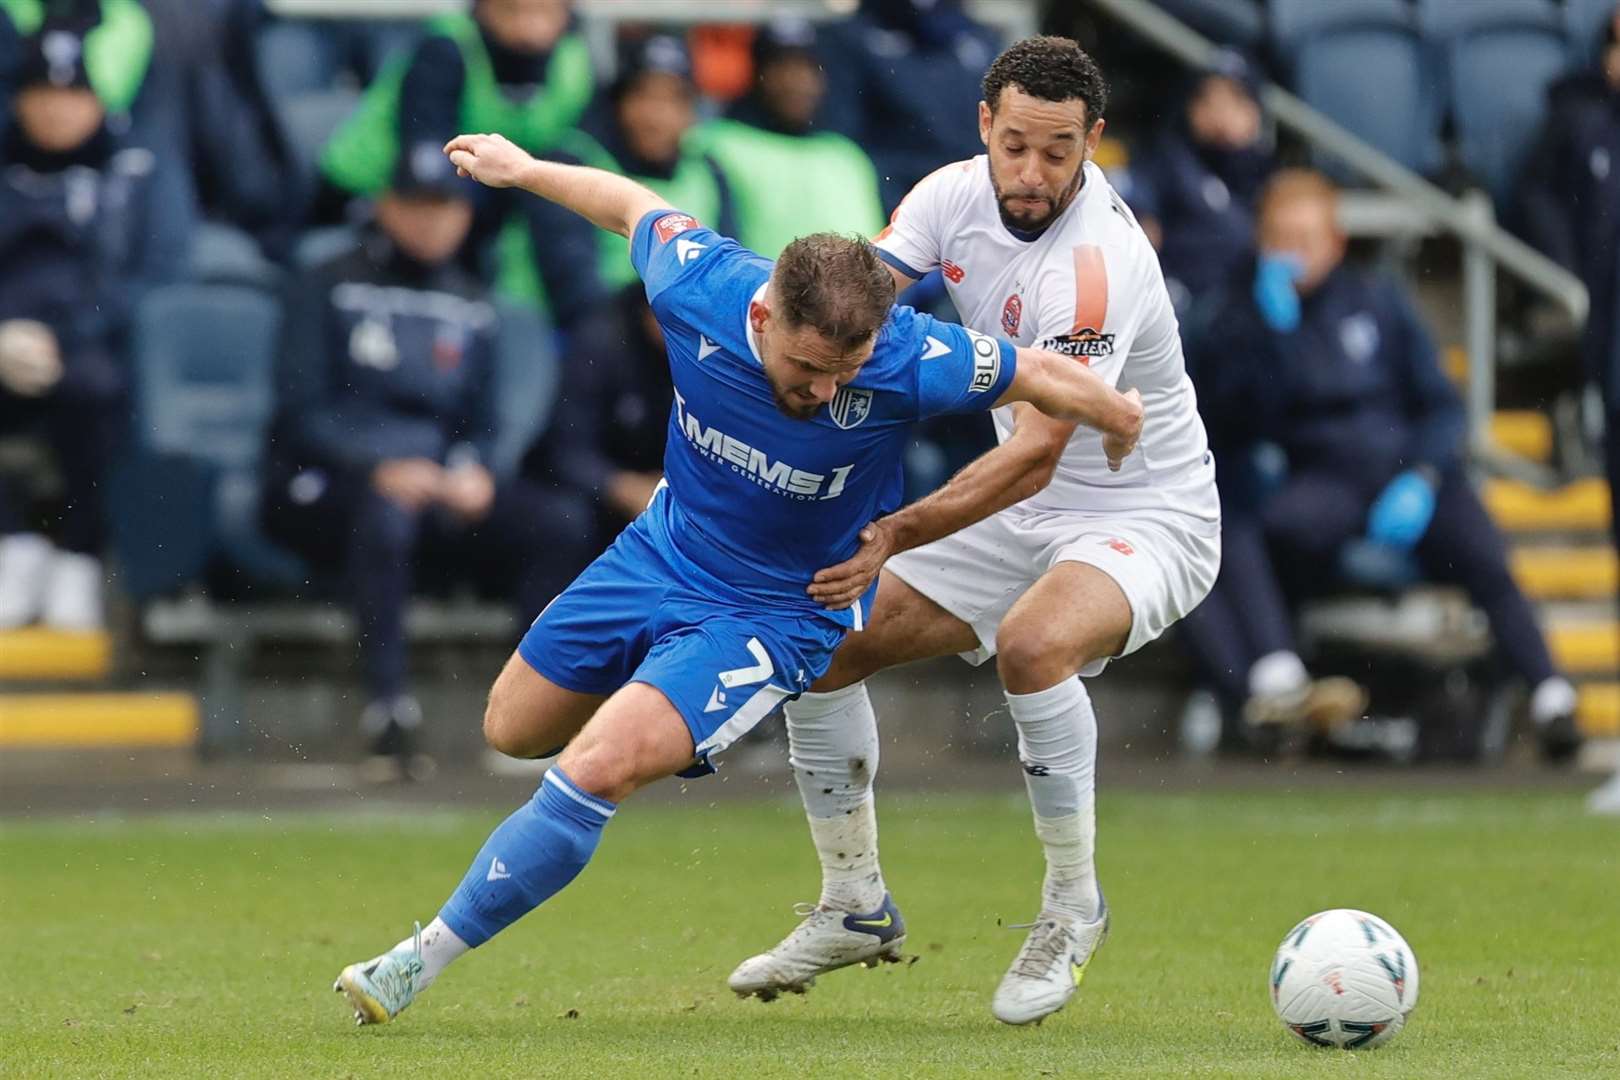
x,y
1090,287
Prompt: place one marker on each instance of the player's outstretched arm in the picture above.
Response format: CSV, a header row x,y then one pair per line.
x,y
1066,390
607,200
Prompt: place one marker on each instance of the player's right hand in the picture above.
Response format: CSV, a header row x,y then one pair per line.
x,y
492,160
1119,442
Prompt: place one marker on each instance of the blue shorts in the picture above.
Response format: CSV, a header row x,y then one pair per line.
x,y
724,664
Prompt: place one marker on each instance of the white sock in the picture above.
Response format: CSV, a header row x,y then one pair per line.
x,y
833,748
439,946
1552,698
1057,744
1276,674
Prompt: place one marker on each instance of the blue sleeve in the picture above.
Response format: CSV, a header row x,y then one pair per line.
x,y
667,244
960,370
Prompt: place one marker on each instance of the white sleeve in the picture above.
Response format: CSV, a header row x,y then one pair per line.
x,y
1089,307
911,241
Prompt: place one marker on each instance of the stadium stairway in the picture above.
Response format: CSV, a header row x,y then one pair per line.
x,y
1563,558
60,691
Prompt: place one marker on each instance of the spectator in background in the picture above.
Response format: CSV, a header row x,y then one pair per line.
x,y
1571,210
78,238
1196,186
903,81
1336,369
511,67
118,43
237,166
787,175
605,444
379,454
640,130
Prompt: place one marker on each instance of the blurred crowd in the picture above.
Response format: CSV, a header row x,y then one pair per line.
x,y
151,147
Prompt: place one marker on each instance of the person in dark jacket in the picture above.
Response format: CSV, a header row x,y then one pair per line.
x,y
380,453
903,81
1336,369
1571,210
605,442
80,236
1195,187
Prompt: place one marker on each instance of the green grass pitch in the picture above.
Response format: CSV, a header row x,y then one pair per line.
x,y
178,947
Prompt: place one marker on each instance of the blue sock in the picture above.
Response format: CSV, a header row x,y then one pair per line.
x,y
527,859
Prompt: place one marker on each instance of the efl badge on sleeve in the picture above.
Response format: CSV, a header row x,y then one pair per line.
x,y
672,225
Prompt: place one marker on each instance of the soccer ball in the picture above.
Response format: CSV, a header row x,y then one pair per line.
x,y
1344,978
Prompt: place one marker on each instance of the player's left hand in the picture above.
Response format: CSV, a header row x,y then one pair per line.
x,y
837,587
469,491
492,160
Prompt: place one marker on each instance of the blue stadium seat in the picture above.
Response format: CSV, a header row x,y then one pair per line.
x,y
225,254
1585,20
526,372
296,58
1500,57
308,121
1363,64
1230,22
318,245
204,358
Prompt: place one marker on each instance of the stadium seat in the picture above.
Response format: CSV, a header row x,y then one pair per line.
x,y
1500,56
318,245
296,58
1363,64
204,393
1584,21
526,371
308,121
223,254
1230,22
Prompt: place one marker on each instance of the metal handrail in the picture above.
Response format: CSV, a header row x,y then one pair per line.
x,y
1456,216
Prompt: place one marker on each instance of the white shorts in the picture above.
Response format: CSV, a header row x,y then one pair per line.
x,y
1165,563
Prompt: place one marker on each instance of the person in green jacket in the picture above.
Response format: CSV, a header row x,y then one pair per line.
x,y
787,176
517,68
640,129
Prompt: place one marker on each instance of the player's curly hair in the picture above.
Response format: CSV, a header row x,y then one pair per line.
x,y
834,284
1049,68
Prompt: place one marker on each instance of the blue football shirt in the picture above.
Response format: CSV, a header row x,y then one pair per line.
x,y
757,501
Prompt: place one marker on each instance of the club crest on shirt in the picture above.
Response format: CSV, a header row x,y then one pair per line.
x,y
671,225
1012,314
849,407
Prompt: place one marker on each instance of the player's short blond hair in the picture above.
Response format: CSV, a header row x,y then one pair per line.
x,y
1290,184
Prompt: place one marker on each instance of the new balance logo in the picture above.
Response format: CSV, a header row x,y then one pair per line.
x,y
687,250
706,348
953,273
497,870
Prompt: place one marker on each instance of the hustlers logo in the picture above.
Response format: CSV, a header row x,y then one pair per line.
x,y
1084,344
